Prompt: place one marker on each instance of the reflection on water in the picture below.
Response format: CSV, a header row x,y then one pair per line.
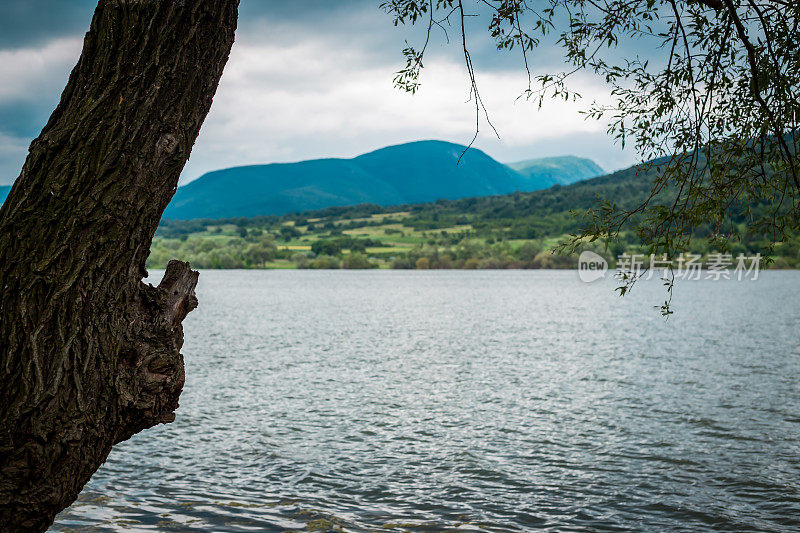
x,y
469,401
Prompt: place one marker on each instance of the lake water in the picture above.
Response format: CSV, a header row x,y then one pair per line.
x,y
469,401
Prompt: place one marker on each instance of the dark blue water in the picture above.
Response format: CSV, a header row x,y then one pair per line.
x,y
470,401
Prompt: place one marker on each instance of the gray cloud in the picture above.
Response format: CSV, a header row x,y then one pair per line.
x,y
307,78
28,23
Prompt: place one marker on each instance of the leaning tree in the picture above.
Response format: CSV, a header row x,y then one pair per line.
x,y
90,355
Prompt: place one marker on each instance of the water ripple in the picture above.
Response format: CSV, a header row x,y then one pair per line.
x,y
469,401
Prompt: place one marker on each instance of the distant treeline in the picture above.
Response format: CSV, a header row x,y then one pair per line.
x,y
510,231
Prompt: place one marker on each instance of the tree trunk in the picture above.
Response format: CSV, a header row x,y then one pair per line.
x,y
89,355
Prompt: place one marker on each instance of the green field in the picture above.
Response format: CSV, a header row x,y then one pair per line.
x,y
509,231
378,241
390,240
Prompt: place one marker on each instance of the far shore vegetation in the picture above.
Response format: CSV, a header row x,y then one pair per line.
x,y
515,231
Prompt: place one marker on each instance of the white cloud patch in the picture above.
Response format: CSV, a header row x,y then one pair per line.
x,y
36,74
32,78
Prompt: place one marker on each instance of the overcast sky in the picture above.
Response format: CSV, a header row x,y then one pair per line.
x,y
308,79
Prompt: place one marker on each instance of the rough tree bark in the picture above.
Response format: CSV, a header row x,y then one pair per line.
x,y
89,355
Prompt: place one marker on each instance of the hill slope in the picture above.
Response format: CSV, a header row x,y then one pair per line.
x,y
548,171
420,171
627,188
4,192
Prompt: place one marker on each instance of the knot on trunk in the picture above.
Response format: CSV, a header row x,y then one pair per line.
x,y
179,283
151,372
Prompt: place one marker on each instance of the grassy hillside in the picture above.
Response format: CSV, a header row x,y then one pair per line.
x,y
407,173
505,231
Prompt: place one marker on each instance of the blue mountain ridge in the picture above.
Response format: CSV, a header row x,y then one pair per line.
x,y
415,172
420,171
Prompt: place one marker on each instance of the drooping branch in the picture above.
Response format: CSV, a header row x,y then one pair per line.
x,y
716,5
756,91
